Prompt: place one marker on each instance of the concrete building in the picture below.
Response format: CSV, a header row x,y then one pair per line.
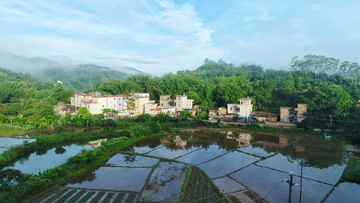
x,y
165,100
217,113
292,115
96,103
182,102
264,116
243,108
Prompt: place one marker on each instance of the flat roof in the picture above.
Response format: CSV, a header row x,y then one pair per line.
x,y
244,99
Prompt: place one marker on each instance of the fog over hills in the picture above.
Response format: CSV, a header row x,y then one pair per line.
x,y
78,77
27,65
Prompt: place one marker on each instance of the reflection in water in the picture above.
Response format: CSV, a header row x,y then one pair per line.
x,y
243,139
60,150
96,143
179,142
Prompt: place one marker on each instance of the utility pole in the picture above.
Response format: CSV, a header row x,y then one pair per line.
x,y
290,184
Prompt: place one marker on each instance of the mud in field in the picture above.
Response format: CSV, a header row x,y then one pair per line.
x,y
165,183
200,188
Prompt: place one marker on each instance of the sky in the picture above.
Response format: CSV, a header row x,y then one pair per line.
x,y
162,36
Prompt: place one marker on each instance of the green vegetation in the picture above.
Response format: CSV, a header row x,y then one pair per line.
x,y
352,171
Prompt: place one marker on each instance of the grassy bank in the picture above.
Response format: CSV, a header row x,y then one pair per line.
x,y
352,171
16,187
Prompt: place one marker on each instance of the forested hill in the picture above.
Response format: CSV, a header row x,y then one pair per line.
x,y
77,77
216,84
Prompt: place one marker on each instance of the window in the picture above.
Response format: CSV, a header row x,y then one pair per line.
x,y
103,106
179,105
230,109
114,98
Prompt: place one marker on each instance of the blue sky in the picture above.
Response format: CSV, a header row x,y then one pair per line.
x,y
164,36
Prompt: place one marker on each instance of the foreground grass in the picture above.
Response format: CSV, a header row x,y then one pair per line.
x,y
9,132
25,185
352,171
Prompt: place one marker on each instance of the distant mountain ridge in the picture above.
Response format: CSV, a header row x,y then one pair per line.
x,y
78,77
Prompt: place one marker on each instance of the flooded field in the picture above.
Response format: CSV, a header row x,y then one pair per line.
x,y
7,142
247,167
47,157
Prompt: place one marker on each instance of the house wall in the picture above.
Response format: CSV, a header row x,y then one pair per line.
x,y
140,104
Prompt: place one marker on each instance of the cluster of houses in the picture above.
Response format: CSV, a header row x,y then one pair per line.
x,y
139,103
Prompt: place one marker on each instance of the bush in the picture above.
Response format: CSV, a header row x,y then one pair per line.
x,y
155,127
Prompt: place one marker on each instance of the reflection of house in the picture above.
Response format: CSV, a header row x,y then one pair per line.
x,y
264,116
179,142
243,108
289,114
96,143
243,139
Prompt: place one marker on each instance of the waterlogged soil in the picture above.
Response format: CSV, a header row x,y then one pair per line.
x,y
165,183
112,178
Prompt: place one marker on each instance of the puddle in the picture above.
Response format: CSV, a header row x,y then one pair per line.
x,y
165,183
46,158
131,160
112,178
203,155
228,185
227,164
345,192
330,174
270,185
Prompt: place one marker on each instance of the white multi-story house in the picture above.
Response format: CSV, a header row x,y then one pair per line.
x,y
96,103
243,108
182,102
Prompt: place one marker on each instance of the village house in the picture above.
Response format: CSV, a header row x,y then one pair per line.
x,y
293,115
264,116
217,113
67,109
242,109
96,103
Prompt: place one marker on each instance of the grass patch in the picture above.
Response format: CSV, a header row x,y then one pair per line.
x,y
352,171
186,184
